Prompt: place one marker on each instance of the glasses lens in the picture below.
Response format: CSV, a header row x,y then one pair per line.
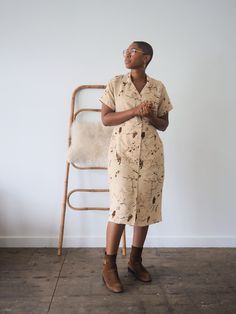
x,y
125,52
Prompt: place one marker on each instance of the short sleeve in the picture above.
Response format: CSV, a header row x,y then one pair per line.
x,y
165,104
108,96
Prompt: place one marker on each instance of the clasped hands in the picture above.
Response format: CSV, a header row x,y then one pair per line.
x,y
145,109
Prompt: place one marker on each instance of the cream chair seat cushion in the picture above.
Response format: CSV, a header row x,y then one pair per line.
x,y
89,143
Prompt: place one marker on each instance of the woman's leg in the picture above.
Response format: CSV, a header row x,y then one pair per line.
x,y
113,235
110,273
135,261
139,235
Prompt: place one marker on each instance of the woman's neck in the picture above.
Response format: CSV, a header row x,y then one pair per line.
x,y
138,75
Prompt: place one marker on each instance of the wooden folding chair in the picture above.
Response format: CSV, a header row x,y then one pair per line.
x,y
67,194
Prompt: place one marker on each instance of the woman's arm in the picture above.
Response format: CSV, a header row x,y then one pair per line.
x,y
160,123
110,117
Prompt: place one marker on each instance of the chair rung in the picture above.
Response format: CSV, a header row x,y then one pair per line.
x,y
85,190
88,208
87,167
89,190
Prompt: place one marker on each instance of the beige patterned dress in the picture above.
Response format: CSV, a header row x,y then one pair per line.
x,y
135,156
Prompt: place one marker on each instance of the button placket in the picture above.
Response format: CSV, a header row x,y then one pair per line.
x,y
139,140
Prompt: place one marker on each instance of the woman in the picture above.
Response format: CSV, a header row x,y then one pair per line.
x,y
137,106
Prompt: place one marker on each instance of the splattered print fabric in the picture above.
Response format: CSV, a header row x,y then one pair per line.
x,y
135,156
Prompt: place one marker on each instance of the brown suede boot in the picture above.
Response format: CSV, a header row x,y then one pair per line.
x,y
135,265
110,274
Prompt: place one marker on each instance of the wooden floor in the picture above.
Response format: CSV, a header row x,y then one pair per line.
x,y
185,280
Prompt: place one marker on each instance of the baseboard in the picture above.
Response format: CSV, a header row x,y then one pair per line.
x,y
74,241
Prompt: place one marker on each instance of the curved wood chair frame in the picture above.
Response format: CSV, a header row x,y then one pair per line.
x,y
67,194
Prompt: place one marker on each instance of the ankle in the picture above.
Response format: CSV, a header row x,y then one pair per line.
x,y
110,252
137,246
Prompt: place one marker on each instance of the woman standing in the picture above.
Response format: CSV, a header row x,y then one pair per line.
x,y
137,106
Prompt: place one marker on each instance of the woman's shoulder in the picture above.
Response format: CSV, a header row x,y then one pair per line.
x,y
156,81
116,79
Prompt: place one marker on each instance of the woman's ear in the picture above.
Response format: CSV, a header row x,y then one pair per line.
x,y
148,58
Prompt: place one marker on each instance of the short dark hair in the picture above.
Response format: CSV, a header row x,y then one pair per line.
x,y
146,48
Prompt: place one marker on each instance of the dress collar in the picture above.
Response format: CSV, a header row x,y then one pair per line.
x,y
128,78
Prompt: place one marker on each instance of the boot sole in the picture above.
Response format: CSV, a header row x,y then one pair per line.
x,y
131,271
110,288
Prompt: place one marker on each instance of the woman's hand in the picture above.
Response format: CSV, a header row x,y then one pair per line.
x,y
144,109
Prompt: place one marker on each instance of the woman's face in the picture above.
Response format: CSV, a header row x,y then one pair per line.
x,y
134,57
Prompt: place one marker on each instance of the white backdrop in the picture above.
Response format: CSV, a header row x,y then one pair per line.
x,y
50,47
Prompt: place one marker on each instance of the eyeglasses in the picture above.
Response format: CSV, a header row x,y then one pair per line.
x,y
132,52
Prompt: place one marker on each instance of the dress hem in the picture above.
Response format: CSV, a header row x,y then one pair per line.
x,y
134,224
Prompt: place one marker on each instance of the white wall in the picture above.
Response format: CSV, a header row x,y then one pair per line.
x,y
49,47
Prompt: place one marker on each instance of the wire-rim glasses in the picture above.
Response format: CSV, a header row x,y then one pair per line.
x,y
131,51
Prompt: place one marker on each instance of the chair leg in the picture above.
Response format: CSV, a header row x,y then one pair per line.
x,y
123,243
63,211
